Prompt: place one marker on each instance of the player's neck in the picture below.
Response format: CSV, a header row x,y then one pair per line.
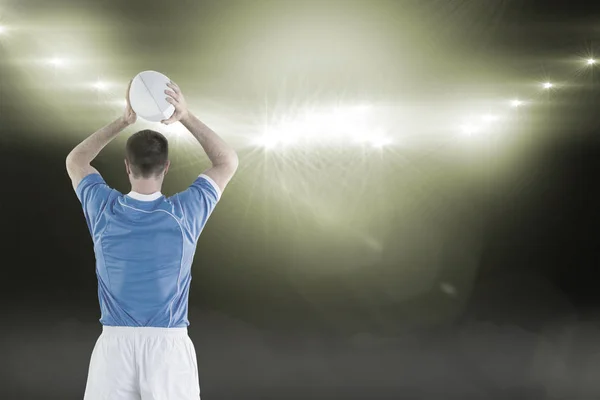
x,y
146,186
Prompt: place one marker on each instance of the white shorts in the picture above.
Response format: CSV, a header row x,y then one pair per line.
x,y
144,364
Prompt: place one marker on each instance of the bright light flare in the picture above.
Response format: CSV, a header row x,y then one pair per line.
x,y
548,85
335,125
470,129
2,29
591,61
57,62
267,142
101,85
478,124
516,103
489,118
270,141
380,142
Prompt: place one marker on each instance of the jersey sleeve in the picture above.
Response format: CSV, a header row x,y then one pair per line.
x,y
94,194
198,202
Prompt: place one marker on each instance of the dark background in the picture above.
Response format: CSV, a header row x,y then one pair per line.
x,y
484,283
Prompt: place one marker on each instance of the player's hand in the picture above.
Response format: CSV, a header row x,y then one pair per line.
x,y
129,115
176,98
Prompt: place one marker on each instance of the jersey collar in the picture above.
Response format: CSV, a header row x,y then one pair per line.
x,y
144,197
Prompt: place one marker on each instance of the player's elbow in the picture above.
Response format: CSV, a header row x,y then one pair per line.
x,y
70,161
74,163
230,161
234,161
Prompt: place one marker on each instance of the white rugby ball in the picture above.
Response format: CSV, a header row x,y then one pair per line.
x,y
148,98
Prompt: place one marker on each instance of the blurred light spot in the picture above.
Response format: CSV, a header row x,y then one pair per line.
x,y
57,62
373,244
380,142
489,118
101,85
340,124
447,288
470,129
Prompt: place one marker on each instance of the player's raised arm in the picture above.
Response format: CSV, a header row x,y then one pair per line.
x,y
79,159
222,156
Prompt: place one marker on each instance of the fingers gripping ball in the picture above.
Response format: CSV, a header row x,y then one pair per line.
x,y
147,96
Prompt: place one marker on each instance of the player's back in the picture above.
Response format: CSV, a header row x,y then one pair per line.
x,y
144,246
141,258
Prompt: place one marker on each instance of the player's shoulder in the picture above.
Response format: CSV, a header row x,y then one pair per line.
x,y
209,182
204,187
94,187
202,183
90,179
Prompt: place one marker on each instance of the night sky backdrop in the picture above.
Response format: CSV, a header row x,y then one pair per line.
x,y
439,264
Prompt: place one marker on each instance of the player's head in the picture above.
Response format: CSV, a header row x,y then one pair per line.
x,y
147,155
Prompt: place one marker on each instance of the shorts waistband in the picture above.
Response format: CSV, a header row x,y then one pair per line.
x,y
142,331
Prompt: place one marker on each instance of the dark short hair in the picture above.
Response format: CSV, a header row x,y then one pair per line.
x,y
147,152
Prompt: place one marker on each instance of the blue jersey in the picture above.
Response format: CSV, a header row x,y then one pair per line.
x,y
144,246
